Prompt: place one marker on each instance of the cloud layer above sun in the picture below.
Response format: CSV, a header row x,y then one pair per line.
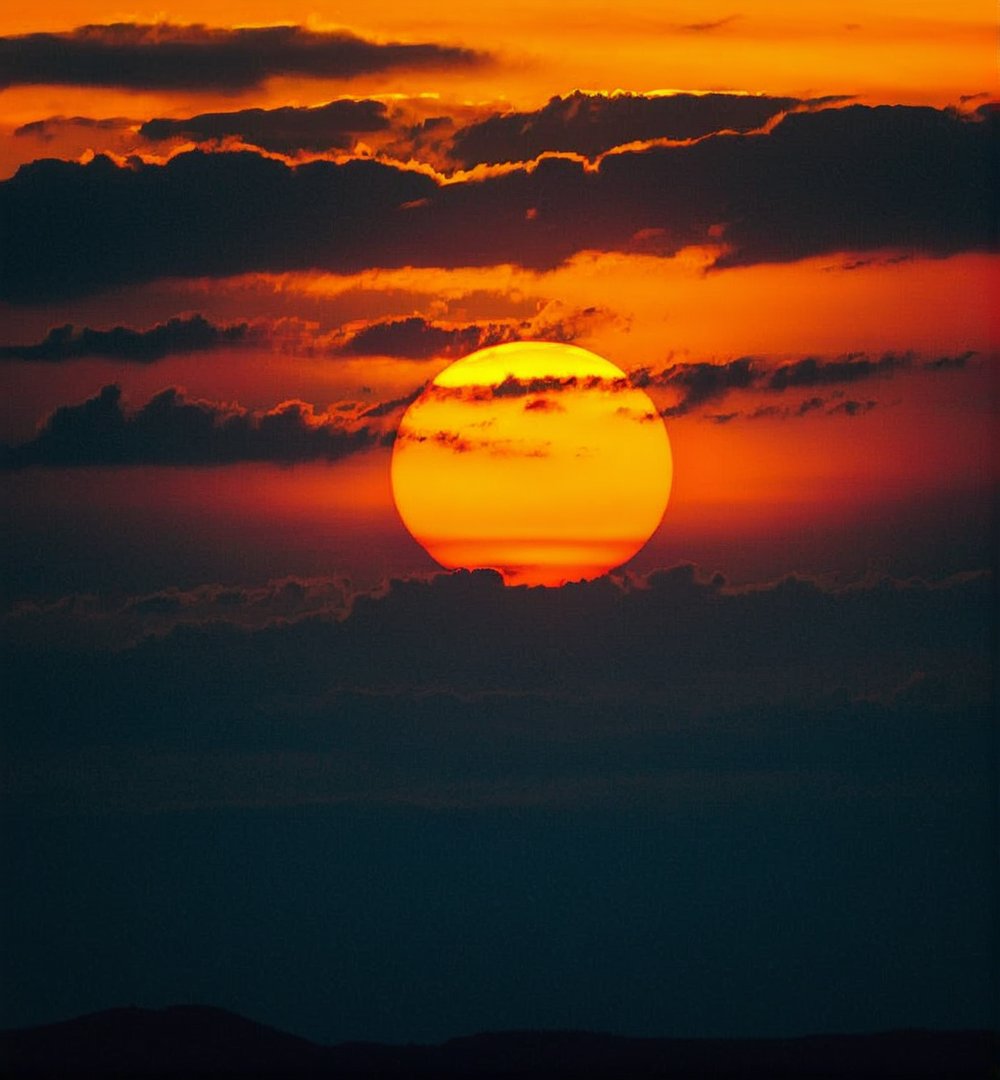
x,y
840,179
167,56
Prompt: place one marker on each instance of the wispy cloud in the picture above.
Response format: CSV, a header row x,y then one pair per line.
x,y
179,335
708,26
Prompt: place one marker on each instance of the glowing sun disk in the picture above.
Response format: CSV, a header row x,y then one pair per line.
x,y
538,459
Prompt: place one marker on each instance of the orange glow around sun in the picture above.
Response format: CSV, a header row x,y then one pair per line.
x,y
534,458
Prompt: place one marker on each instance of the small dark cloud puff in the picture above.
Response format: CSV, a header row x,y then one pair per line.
x,y
171,429
853,408
543,404
179,335
165,56
855,179
709,26
699,383
809,405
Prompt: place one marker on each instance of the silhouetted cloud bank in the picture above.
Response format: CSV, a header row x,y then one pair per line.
x,y
591,124
855,178
172,429
515,694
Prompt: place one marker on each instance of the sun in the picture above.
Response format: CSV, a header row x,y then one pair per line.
x,y
538,459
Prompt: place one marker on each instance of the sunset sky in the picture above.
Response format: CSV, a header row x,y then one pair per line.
x,y
263,751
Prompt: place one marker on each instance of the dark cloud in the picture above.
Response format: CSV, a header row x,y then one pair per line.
x,y
689,640
856,178
166,56
861,264
767,412
464,442
699,383
513,387
172,429
199,214
583,123
386,408
94,621
410,338
954,363
813,372
809,405
543,404
784,412
47,129
853,408
591,124
285,130
707,27
703,382
417,338
179,335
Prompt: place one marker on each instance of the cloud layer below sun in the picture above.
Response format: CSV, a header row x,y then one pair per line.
x,y
702,651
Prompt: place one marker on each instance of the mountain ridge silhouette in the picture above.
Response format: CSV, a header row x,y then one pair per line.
x,y
199,1040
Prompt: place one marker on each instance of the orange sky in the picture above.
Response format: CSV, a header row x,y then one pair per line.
x,y
925,431
265,753
919,51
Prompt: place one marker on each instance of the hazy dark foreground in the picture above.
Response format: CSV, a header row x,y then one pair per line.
x,y
199,1041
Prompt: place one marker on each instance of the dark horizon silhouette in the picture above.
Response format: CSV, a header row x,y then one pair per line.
x,y
189,1040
